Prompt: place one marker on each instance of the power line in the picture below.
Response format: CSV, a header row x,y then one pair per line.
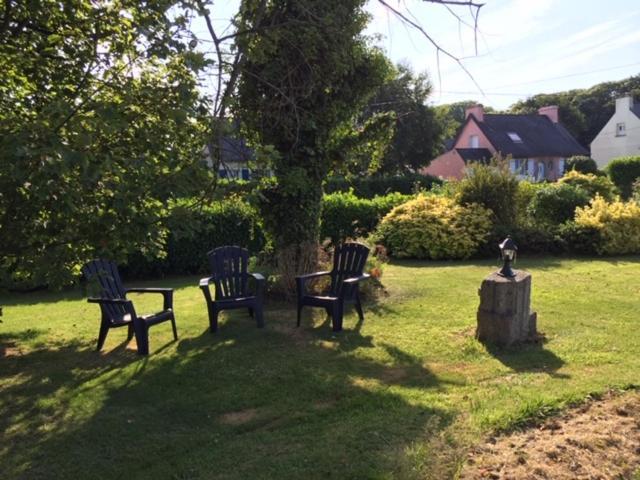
x,y
521,94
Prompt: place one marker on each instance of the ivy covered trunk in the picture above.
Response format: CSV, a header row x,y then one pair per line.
x,y
307,71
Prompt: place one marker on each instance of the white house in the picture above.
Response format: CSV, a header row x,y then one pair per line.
x,y
620,136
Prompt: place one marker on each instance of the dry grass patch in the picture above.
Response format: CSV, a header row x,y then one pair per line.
x,y
599,440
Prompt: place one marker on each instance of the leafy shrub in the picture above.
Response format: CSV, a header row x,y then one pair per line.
x,y
492,186
591,184
346,216
580,239
618,224
526,192
193,231
555,204
582,164
623,171
635,193
529,237
434,227
369,187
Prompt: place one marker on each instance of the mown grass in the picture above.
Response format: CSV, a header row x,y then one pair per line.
x,y
398,396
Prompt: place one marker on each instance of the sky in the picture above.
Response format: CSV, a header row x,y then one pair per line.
x,y
525,47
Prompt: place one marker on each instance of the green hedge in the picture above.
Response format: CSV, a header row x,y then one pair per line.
x,y
344,215
623,171
195,231
369,187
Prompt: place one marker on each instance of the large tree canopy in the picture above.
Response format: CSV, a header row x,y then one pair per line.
x,y
584,111
417,136
100,124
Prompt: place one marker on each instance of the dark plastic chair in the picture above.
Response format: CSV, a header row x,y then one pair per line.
x,y
349,260
231,280
117,311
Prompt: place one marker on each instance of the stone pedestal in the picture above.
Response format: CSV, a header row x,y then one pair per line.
x,y
504,315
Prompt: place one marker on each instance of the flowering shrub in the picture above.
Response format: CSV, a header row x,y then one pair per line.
x,y
590,183
618,224
434,228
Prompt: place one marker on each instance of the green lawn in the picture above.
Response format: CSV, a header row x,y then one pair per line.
x,y
399,396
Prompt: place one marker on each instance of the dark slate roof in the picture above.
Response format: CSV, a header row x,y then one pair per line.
x,y
540,136
235,150
474,154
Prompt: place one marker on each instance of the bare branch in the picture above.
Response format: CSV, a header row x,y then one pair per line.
x,y
437,46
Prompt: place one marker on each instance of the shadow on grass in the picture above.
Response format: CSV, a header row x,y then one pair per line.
x,y
280,402
529,357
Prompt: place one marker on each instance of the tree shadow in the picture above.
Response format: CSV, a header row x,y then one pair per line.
x,y
244,403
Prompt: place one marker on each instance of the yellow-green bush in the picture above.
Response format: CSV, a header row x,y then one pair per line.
x,y
590,183
617,222
435,228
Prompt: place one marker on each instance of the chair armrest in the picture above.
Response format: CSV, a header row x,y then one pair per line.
x,y
350,283
311,275
148,290
109,301
204,282
257,276
127,304
354,280
302,279
167,294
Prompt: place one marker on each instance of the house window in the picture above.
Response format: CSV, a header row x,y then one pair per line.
x,y
474,141
515,138
520,166
620,130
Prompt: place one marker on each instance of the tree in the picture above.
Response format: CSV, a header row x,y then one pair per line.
x,y
583,111
100,124
302,84
416,139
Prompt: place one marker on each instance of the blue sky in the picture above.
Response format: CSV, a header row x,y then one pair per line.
x,y
525,47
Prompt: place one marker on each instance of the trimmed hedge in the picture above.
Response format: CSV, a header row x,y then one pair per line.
x,y
557,203
369,187
623,171
582,164
195,231
344,215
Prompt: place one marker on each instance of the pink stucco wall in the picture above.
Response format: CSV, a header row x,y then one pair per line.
x,y
449,166
470,129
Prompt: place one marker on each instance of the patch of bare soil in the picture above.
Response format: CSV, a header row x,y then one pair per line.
x,y
239,418
597,441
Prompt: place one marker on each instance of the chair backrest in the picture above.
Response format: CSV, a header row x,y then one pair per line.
x,y
104,275
349,260
229,268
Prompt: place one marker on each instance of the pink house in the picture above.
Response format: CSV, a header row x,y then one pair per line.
x,y
537,144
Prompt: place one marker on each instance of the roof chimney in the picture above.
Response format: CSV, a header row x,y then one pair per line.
x,y
624,104
477,111
551,111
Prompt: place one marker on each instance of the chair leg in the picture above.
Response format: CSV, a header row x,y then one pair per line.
x,y
299,314
102,334
259,316
213,319
175,330
142,336
359,307
130,331
336,316
251,312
